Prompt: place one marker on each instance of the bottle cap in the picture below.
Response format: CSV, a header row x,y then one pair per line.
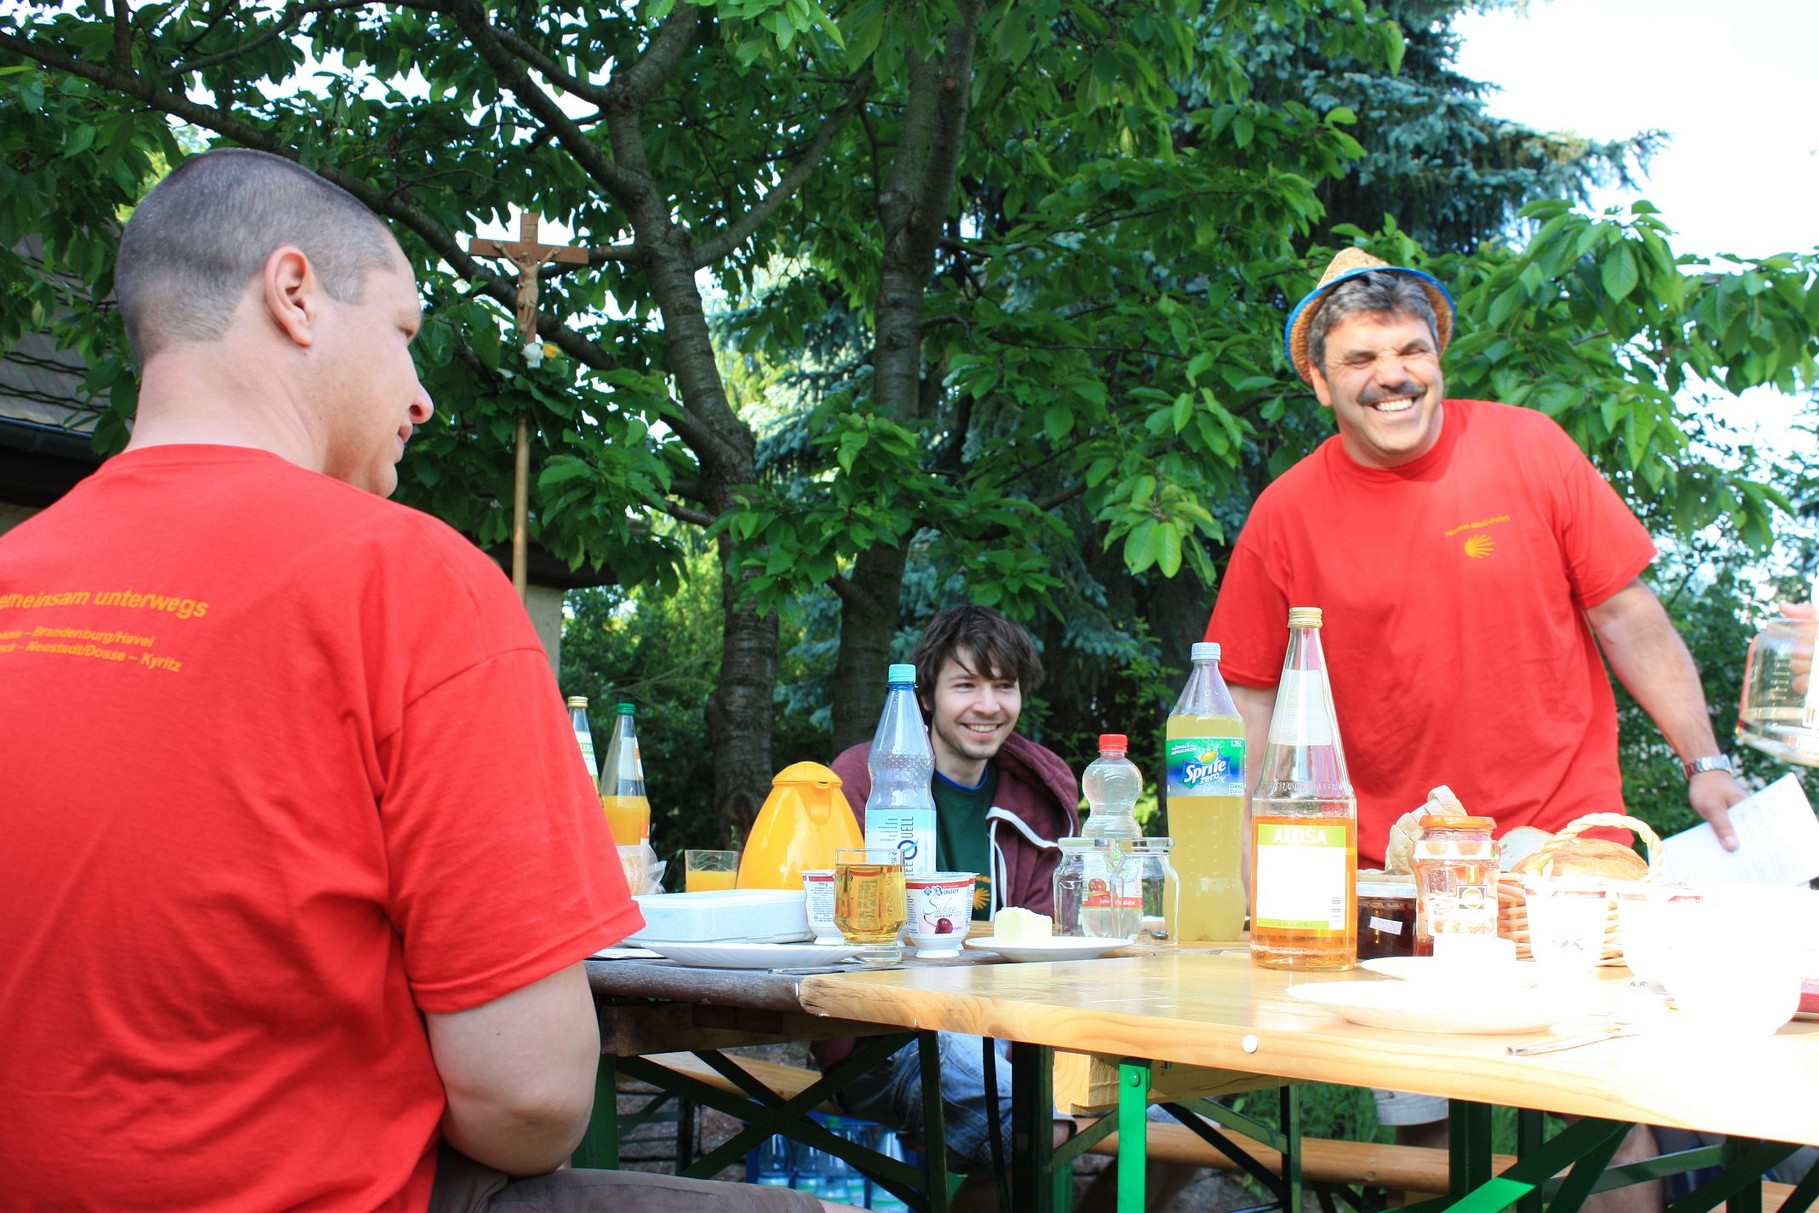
x,y
1304,617
626,709
1203,650
577,701
1114,741
901,672
1455,821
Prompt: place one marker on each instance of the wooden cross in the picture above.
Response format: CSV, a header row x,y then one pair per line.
x,y
527,255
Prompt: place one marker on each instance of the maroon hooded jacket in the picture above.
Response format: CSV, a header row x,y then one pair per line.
x,y
1037,802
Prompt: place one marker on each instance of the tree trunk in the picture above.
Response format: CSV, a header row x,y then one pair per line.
x,y
868,622
913,209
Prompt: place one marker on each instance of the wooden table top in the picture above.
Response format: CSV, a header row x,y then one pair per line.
x,y
1220,1011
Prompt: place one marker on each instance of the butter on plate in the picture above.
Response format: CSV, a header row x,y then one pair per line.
x,y
1014,925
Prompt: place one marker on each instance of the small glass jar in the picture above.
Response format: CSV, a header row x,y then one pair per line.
x,y
1161,891
1455,865
1386,918
1099,888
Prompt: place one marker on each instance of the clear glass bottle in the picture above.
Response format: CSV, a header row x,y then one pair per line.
x,y
1779,712
628,810
900,809
584,736
1204,755
1304,825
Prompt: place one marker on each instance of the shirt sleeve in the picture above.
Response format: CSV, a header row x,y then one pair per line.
x,y
1250,613
503,869
1602,543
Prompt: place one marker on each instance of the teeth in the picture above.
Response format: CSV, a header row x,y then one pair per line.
x,y
1398,405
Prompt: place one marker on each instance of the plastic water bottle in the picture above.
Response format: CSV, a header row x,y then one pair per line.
x,y
900,812
883,1200
1112,888
1111,784
772,1164
584,736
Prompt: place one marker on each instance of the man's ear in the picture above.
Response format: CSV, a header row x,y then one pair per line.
x,y
288,290
1323,392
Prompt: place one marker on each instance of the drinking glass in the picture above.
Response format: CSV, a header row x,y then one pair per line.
x,y
869,904
706,870
1566,920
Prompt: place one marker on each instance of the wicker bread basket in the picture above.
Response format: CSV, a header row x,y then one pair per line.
x,y
1512,904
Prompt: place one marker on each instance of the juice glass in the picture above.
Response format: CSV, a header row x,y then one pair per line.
x,y
704,870
870,907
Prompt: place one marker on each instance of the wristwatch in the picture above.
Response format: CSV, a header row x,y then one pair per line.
x,y
1711,762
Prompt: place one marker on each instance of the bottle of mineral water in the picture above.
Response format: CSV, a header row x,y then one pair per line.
x,y
1113,894
900,811
1304,825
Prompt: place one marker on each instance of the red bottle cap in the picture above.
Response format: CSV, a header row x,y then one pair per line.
x,y
1114,741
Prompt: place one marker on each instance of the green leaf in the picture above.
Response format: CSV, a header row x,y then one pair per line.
x,y
1618,272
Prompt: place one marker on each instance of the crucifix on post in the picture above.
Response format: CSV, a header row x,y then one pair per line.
x,y
526,254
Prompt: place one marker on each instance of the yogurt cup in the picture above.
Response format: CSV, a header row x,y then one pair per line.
x,y
940,912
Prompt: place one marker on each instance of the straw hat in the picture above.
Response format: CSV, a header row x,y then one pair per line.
x,y
1349,264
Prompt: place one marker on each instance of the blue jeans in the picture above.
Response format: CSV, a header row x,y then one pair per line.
x,y
890,1094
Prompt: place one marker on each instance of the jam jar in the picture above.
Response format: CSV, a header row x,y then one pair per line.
x,y
1386,918
1455,879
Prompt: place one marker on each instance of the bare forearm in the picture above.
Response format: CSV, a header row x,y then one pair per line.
x,y
1652,661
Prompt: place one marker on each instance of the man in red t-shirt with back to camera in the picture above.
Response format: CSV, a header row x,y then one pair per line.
x,y
301,865
1470,562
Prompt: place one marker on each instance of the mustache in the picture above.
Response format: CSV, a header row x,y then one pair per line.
x,y
1407,387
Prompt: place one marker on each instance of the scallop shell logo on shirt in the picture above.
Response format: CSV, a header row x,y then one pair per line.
x,y
1480,545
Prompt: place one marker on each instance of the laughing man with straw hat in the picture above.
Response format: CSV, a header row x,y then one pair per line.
x,y
1471,563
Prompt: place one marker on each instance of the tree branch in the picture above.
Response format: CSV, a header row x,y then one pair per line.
x,y
662,56
289,19
683,513
741,229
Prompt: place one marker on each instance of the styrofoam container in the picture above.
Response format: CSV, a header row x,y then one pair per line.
x,y
724,916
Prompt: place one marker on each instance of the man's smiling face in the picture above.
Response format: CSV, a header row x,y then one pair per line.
x,y
1381,377
971,712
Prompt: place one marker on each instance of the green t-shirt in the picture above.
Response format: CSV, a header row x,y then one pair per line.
x,y
961,843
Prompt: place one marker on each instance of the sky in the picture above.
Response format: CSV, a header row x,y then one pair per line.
x,y
1729,80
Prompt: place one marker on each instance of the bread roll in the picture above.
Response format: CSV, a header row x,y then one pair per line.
x,y
1586,857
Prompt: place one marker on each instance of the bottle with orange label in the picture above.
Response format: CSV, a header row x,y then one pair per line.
x,y
1304,825
628,811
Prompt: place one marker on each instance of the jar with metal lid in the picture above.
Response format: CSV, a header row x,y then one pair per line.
x,y
1386,918
1455,865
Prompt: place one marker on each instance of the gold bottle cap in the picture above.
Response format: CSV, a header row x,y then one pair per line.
x,y
1304,617
577,701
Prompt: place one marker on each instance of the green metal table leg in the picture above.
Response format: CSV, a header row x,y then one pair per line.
x,y
1531,1133
1291,1150
934,1122
1468,1146
1037,1184
600,1145
1133,1141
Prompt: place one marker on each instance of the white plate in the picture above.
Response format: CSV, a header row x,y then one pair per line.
x,y
1431,1006
751,955
1432,968
1059,947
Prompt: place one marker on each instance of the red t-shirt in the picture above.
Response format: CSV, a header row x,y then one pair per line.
x,y
1454,591
285,768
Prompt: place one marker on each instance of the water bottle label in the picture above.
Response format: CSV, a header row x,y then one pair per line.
x,y
910,831
1303,865
1206,766
1302,716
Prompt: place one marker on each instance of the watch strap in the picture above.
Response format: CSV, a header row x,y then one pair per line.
x,y
1710,762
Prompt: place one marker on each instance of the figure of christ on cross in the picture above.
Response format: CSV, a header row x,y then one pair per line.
x,y
527,255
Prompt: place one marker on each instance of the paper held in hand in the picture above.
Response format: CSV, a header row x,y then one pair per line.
x,y
1777,843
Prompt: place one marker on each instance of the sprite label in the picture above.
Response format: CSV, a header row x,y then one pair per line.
x,y
1205,766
